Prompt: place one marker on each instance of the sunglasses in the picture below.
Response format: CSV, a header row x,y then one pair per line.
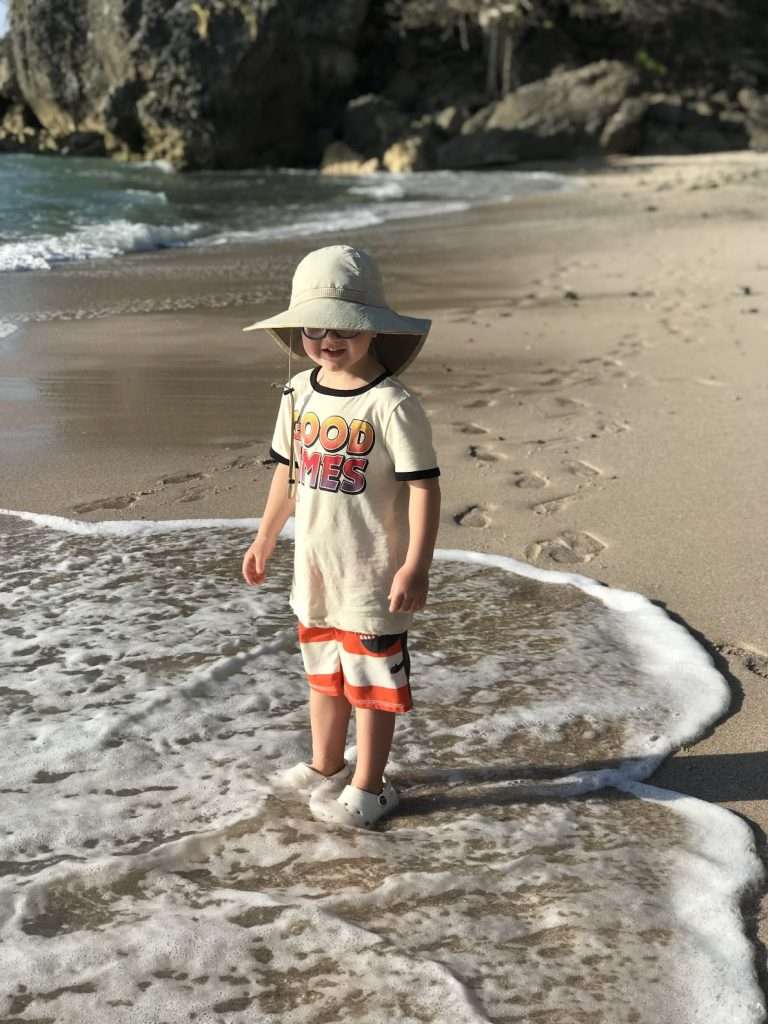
x,y
318,333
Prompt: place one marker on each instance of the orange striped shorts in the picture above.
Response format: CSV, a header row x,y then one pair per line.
x,y
370,673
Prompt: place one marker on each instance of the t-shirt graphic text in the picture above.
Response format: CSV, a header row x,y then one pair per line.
x,y
333,452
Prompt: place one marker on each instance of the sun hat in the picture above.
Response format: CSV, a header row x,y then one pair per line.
x,y
340,287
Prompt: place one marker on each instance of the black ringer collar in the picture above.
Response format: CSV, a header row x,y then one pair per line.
x,y
342,392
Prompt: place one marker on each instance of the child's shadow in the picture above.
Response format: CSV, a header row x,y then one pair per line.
x,y
428,790
716,778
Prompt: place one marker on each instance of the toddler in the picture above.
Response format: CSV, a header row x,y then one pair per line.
x,y
357,468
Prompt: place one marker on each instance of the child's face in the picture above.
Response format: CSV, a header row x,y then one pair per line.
x,y
340,355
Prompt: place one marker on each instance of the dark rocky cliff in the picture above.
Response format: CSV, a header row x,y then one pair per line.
x,y
238,83
220,83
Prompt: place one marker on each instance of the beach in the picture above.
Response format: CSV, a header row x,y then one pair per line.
x,y
595,377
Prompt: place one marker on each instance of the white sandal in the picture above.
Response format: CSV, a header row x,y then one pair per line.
x,y
355,807
306,778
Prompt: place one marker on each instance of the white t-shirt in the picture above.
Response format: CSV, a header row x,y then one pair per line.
x,y
354,451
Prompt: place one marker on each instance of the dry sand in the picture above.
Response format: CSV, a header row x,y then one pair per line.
x,y
597,379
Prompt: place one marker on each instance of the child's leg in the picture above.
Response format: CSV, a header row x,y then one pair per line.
x,y
375,730
329,717
329,709
376,672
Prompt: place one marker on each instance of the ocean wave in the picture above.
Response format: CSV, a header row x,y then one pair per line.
x,y
116,238
348,219
157,165
379,190
278,209
96,241
145,193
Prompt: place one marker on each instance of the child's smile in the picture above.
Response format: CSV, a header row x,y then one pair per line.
x,y
346,357
333,352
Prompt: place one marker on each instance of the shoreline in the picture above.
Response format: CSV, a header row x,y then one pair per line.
x,y
610,418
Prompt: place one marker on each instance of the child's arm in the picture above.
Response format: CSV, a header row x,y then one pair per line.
x,y
410,585
278,508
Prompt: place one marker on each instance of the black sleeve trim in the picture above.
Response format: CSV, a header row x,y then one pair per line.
x,y
278,457
419,474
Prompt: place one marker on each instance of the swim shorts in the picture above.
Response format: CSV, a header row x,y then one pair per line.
x,y
370,673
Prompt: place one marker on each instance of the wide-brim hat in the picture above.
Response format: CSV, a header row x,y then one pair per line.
x,y
340,287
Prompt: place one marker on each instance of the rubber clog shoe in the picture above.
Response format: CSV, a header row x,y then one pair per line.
x,y
354,807
304,778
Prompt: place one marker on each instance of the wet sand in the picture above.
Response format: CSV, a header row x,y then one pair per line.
x,y
596,379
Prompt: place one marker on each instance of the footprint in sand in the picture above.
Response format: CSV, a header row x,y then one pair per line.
x,y
119,501
194,494
475,516
612,426
480,403
470,428
484,455
548,508
179,478
582,470
569,547
529,478
755,659
241,462
630,344
679,332
566,407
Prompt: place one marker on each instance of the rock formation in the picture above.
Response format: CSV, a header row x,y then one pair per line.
x,y
339,158
756,107
219,83
242,83
563,114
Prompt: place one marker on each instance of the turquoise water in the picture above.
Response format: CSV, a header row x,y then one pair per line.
x,y
55,210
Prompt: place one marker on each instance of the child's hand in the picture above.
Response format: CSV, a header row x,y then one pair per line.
x,y
255,560
409,589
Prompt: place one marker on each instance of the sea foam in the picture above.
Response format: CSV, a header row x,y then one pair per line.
x,y
155,869
96,241
99,209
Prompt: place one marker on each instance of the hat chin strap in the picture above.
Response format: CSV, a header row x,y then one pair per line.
x,y
296,446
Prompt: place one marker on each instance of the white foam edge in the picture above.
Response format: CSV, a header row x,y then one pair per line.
x,y
664,645
156,165
725,841
659,641
118,527
707,899
718,870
